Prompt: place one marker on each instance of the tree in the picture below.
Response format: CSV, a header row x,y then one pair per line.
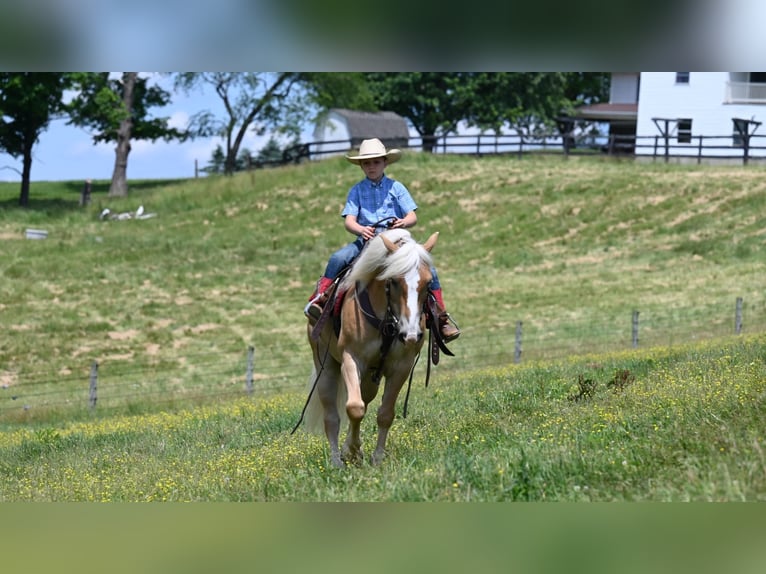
x,y
436,102
28,102
270,153
217,159
268,101
118,110
433,102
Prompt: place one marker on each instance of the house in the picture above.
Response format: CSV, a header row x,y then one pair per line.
x,y
685,113
341,130
621,112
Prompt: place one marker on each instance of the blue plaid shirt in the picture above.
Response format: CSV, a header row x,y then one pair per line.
x,y
371,202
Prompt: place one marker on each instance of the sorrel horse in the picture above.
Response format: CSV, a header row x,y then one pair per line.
x,y
380,334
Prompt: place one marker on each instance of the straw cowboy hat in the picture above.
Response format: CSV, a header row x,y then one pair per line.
x,y
374,148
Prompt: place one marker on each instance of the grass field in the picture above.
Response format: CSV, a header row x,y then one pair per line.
x,y
168,306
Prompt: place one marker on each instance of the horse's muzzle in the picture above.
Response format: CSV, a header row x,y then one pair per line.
x,y
404,338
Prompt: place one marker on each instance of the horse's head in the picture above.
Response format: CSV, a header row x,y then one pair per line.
x,y
408,273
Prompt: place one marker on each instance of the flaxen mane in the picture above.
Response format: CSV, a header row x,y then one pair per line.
x,y
376,261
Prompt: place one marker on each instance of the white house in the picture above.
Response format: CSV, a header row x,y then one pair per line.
x,y
723,107
686,113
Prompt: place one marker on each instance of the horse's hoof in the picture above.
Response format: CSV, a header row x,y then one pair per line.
x,y
377,458
356,457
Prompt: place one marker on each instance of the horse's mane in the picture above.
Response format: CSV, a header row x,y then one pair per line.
x,y
376,262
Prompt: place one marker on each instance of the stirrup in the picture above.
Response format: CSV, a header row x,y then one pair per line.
x,y
444,319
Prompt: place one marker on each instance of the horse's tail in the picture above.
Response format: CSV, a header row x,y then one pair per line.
x,y
313,417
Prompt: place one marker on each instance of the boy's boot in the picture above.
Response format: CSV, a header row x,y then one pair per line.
x,y
449,330
313,308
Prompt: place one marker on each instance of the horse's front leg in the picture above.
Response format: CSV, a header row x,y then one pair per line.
x,y
386,413
355,408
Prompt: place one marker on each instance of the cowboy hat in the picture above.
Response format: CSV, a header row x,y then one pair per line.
x,y
374,148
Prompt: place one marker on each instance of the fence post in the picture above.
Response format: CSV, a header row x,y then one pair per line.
x,y
249,374
738,317
93,383
517,348
635,329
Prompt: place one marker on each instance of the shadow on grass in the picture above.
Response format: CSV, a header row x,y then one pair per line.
x,y
63,196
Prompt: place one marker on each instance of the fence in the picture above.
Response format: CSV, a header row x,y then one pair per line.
x,y
263,372
697,148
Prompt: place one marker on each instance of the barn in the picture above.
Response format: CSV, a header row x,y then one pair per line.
x,y
341,130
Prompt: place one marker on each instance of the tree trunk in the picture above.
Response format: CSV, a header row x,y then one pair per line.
x,y
119,186
429,143
26,173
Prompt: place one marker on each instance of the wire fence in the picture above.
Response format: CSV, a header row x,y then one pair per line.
x,y
219,376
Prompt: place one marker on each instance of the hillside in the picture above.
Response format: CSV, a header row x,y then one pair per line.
x,y
168,306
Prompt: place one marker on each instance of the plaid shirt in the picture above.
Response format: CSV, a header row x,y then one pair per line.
x,y
371,202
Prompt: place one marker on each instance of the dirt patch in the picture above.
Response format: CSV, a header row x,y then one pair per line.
x,y
123,335
8,379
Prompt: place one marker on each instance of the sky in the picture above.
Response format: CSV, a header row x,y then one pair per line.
x,y
306,35
67,153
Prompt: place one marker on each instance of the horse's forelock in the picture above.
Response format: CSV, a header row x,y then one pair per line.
x,y
375,260
409,255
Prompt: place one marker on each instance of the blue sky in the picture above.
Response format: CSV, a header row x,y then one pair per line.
x,y
67,153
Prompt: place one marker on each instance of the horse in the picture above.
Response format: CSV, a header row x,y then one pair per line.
x,y
379,334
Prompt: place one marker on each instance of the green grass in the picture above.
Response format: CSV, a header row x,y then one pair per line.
x,y
659,425
568,247
167,308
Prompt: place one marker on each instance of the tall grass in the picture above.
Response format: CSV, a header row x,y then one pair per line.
x,y
168,306
661,424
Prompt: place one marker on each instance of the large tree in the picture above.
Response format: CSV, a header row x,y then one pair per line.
x,y
433,102
436,102
28,102
118,110
279,102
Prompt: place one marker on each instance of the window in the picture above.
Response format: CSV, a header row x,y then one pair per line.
x,y
682,77
684,130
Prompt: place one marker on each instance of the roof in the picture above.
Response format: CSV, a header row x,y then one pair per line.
x,y
382,125
606,112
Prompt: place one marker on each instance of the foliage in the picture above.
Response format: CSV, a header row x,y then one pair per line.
x,y
118,111
436,102
433,102
271,152
280,102
28,102
98,106
217,161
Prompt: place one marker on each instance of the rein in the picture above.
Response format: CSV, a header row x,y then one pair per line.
x,y
387,326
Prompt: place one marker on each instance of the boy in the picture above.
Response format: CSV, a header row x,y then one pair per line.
x,y
375,198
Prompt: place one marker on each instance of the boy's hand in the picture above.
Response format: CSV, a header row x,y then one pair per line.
x,y
367,233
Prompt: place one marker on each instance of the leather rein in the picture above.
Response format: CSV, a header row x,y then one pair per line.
x,y
388,329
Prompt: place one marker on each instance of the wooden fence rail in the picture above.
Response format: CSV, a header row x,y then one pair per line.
x,y
698,148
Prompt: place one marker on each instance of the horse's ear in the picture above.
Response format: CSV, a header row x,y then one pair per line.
x,y
390,245
431,241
